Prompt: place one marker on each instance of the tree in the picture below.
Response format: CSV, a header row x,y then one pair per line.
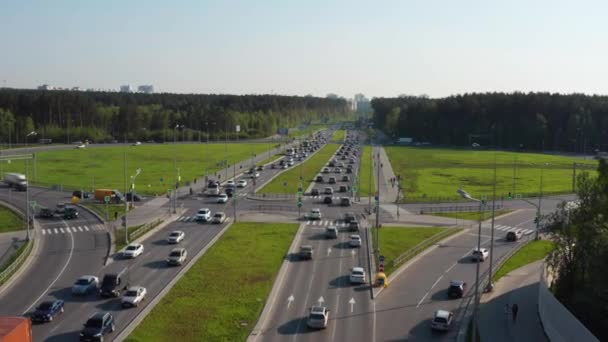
x,y
7,124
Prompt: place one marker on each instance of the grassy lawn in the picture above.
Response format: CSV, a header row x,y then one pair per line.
x,y
102,167
338,136
100,209
395,241
534,250
434,172
268,160
9,221
473,216
222,295
310,168
310,129
365,173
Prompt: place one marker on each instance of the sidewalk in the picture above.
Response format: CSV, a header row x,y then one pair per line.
x,y
388,193
521,287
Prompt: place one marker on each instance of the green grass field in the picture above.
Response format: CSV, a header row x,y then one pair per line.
x,y
303,133
434,172
534,250
365,172
9,221
339,136
100,209
222,295
268,160
473,216
395,241
102,167
310,168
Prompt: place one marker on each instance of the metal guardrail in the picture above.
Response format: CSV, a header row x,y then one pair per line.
x,y
457,208
12,268
421,246
147,227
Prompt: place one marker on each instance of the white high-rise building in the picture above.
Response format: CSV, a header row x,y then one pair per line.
x,y
126,88
147,89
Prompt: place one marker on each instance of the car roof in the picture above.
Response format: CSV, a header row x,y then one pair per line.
x,y
86,277
456,282
442,313
358,269
355,236
177,232
134,288
178,249
306,246
135,244
331,227
318,309
205,209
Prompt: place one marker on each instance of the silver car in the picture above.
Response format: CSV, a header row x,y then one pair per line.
x,y
85,285
177,257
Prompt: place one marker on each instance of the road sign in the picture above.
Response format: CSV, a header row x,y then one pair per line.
x,y
381,268
106,199
299,204
381,258
33,203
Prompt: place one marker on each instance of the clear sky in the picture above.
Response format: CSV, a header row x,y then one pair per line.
x,y
379,48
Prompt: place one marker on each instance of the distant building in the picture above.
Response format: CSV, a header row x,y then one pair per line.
x,y
331,96
45,87
126,88
147,89
361,104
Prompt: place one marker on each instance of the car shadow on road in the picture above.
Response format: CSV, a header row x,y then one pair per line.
x,y
156,264
341,282
66,295
466,260
440,295
69,336
160,242
316,237
109,304
294,257
295,326
342,245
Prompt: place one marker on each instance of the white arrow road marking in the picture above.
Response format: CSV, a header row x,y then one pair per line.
x,y
352,304
321,300
328,251
352,252
290,300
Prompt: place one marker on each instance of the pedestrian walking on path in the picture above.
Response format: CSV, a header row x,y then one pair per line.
x,y
514,309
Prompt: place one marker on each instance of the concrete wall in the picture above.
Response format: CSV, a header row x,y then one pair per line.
x,y
560,325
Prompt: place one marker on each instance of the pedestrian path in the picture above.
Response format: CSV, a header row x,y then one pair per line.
x,y
507,228
73,229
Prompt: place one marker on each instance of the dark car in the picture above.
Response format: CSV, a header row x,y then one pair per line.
x,y
319,179
45,213
46,311
349,217
260,168
327,200
514,235
70,212
100,324
345,178
349,170
353,226
345,202
110,285
136,197
229,191
343,188
456,289
272,166
314,192
332,180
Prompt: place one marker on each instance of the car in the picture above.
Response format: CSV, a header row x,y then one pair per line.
x,y
348,217
137,143
514,235
203,215
355,240
456,289
133,296
319,179
343,188
331,164
351,161
337,170
318,317
45,212
306,252
80,194
349,170
255,175
325,170
260,168
133,250
332,180
85,285
328,200
480,254
331,232
229,183
47,310
60,208
357,275
70,212
219,217
229,191
328,191
315,214
222,198
344,201
353,226
176,236
241,184
177,256
314,192
284,166
345,178
81,146
110,285
442,320
290,162
98,325
272,166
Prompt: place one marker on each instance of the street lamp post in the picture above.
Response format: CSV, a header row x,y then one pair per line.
x,y
465,195
175,176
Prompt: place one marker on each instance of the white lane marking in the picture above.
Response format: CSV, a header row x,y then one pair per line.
x,y
61,229
43,231
56,231
86,228
317,228
374,322
436,281
56,278
79,228
449,269
423,298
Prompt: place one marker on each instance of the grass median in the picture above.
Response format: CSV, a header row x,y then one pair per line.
x,y
222,295
472,215
338,136
436,173
113,210
531,252
291,177
394,241
366,187
9,221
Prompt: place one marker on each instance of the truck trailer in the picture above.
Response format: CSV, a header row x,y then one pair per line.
x,y
15,329
16,180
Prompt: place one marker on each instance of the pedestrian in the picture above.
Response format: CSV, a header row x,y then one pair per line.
x,y
514,309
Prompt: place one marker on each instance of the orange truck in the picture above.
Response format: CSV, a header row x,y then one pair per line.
x,y
15,329
115,195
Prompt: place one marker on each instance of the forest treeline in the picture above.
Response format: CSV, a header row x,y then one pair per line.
x,y
66,116
533,121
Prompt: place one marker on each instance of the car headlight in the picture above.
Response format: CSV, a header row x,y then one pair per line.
x,y
97,335
81,334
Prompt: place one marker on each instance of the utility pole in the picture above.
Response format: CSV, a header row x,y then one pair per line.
x,y
126,190
490,286
378,167
27,200
540,197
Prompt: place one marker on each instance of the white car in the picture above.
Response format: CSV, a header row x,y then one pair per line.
x,y
80,146
325,170
285,166
176,236
355,240
480,254
442,319
137,143
318,317
222,198
229,183
133,296
133,250
357,275
255,175
203,214
177,256
219,217
241,184
315,214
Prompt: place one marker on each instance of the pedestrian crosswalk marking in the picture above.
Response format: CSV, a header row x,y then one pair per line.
x,y
61,229
55,229
86,228
80,228
43,232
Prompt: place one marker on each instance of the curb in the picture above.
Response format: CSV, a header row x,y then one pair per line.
x,y
110,234
143,313
408,263
277,285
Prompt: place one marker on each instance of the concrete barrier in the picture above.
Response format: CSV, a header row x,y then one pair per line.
x,y
559,323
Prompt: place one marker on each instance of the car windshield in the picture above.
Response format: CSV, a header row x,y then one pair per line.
x,y
217,215
440,320
175,234
131,293
317,316
45,306
202,211
131,248
175,254
357,273
82,281
94,323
